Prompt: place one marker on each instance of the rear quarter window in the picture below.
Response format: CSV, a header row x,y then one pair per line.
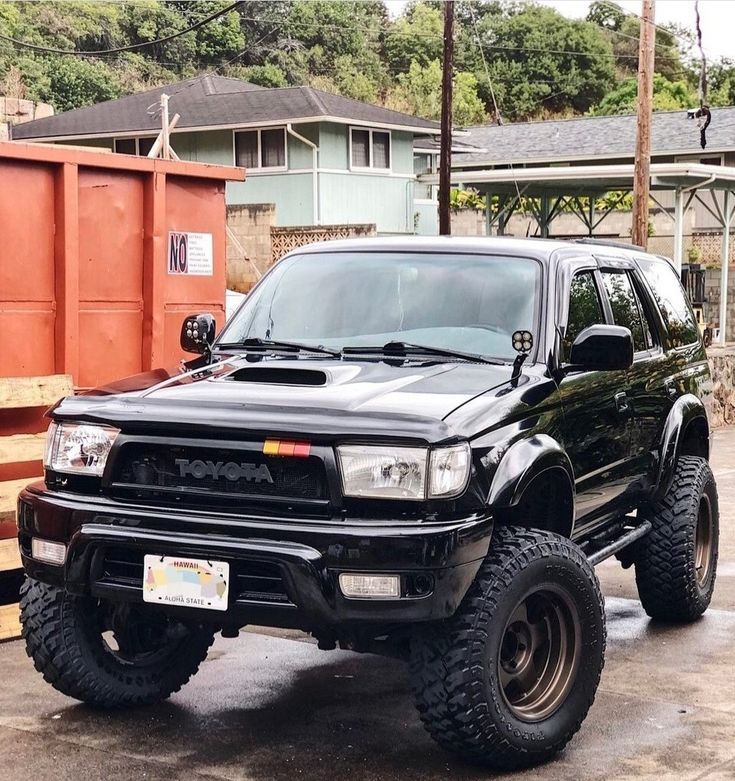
x,y
671,300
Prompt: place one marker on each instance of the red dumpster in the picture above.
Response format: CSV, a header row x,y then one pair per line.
x,y
101,257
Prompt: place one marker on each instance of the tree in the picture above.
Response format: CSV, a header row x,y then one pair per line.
x,y
415,37
540,62
606,14
419,92
76,82
624,41
667,96
721,76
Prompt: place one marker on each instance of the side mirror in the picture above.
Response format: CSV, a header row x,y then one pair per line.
x,y
602,348
197,333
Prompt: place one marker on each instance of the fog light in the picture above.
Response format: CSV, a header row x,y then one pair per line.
x,y
50,552
370,586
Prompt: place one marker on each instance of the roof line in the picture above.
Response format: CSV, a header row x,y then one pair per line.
x,y
147,131
580,117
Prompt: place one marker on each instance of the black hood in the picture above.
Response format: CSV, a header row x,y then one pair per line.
x,y
405,398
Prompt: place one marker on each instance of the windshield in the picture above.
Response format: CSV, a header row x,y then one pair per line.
x,y
468,303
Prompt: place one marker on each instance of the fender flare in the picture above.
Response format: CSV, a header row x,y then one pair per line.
x,y
685,409
524,461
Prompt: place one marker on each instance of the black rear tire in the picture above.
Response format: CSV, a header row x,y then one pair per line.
x,y
473,675
676,563
105,655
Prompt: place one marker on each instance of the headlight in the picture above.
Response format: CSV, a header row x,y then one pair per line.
x,y
79,448
403,472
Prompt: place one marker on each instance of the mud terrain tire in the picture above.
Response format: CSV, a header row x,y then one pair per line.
x,y
473,675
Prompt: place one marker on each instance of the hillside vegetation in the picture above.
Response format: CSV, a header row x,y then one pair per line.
x,y
530,60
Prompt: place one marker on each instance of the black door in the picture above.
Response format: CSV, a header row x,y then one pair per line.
x,y
597,413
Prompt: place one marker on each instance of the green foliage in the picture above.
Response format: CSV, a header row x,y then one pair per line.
x,y
415,37
667,96
268,75
540,63
466,199
419,92
606,14
721,84
75,82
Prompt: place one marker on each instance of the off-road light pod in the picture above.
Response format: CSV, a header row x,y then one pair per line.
x,y
357,586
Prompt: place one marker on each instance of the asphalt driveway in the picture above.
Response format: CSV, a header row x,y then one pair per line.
x,y
272,706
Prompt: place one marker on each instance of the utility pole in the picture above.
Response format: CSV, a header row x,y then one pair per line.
x,y
642,177
445,148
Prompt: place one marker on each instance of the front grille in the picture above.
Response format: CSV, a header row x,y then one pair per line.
x,y
251,580
203,474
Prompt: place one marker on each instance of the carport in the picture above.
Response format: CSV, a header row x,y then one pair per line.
x,y
545,191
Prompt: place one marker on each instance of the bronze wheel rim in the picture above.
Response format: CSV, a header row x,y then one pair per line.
x,y
539,654
703,542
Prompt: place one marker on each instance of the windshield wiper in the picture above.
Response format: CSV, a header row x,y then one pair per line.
x,y
265,344
408,348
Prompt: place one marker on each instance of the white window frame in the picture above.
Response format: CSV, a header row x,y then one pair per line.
x,y
260,168
370,168
135,139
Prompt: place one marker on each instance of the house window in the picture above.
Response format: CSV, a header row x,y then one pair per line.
x,y
261,148
133,146
369,149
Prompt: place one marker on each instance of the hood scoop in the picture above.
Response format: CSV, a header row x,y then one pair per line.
x,y
271,375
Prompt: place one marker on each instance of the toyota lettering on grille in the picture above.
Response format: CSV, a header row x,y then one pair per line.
x,y
229,470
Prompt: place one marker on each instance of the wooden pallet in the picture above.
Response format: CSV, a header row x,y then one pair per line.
x,y
9,622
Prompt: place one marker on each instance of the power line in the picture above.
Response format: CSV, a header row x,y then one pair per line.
x,y
119,49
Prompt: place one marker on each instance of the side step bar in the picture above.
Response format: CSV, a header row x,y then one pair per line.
x,y
617,545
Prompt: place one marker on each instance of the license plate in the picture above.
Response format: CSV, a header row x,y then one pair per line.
x,y
172,580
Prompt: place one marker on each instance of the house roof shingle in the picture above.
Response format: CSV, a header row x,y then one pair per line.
x,y
594,137
211,101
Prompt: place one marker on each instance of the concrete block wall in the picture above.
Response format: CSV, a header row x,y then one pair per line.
x,y
249,247
13,111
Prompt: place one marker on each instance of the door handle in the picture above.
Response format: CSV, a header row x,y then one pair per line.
x,y
621,402
670,386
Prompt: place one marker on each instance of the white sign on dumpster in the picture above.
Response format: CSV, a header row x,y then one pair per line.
x,y
190,253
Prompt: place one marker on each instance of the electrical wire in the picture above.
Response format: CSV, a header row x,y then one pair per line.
x,y
496,110
119,49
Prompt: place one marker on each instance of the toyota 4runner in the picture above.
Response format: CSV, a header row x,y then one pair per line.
x,y
411,447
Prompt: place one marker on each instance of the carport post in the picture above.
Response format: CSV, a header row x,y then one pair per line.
x,y
678,229
726,221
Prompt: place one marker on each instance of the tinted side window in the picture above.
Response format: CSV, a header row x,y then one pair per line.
x,y
669,295
585,308
626,308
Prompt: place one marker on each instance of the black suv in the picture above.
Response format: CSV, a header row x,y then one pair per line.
x,y
402,446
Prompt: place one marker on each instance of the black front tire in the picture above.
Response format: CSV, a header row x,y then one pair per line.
x,y
463,669
88,650
676,563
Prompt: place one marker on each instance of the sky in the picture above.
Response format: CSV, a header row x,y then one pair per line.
x,y
718,18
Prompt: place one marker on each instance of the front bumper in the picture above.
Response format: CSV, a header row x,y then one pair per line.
x,y
301,559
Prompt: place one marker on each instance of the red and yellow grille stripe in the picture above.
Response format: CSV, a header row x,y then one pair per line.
x,y
282,447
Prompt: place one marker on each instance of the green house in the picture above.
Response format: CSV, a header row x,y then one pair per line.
x,y
322,159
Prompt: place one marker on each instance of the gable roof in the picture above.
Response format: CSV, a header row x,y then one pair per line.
x,y
212,102
594,137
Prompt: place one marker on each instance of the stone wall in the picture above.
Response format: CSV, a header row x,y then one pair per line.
x,y
722,366
249,246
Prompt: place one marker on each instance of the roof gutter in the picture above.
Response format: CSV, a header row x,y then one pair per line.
x,y
316,210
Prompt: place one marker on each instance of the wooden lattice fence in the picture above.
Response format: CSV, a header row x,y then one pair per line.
x,y
283,240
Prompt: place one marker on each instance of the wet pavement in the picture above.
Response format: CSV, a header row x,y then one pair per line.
x,y
272,706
